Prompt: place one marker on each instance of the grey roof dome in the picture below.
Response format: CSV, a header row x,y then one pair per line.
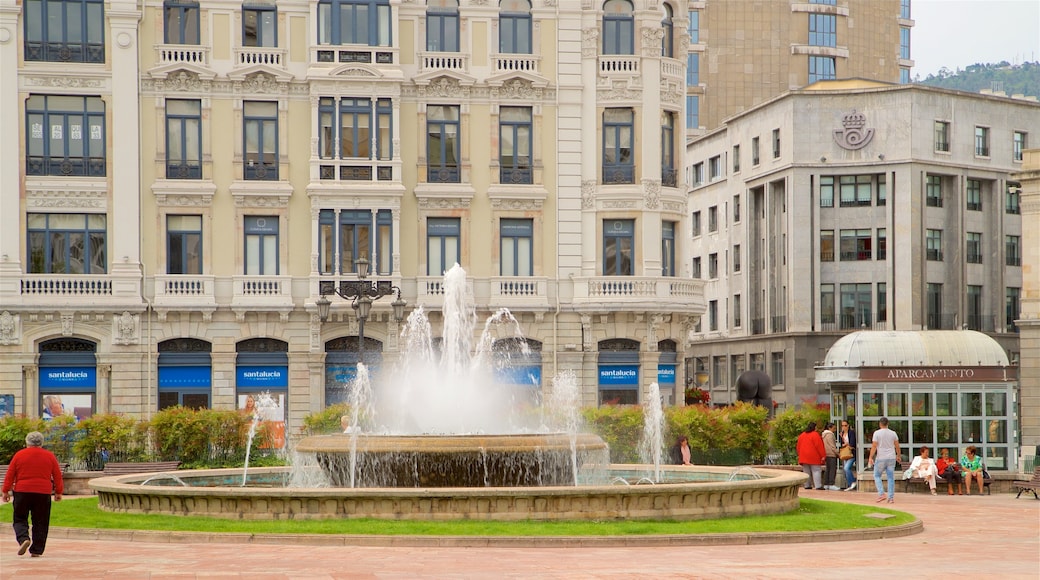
x,y
889,348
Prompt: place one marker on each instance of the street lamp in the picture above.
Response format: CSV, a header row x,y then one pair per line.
x,y
361,293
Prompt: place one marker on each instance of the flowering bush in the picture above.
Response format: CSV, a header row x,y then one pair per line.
x,y
696,396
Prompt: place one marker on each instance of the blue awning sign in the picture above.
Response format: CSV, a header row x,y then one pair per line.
x,y
665,374
68,377
173,377
614,375
262,376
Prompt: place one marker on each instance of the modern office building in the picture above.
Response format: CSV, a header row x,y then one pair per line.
x,y
743,53
181,180
858,205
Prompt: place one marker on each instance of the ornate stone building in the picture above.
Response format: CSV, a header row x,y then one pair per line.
x,y
178,178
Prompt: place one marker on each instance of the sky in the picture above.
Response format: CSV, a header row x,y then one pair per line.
x,y
958,33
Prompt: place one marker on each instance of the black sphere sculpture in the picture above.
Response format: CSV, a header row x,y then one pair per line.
x,y
755,387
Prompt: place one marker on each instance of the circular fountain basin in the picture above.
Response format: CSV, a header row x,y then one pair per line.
x,y
689,493
515,460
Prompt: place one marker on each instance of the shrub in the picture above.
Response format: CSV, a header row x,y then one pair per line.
x,y
326,421
110,436
620,426
786,427
13,429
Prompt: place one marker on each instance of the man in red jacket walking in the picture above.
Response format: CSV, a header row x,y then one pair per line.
x,y
32,475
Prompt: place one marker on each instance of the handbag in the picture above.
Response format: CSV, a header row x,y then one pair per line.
x,y
845,453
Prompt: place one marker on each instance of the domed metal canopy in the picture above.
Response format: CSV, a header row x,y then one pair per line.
x,y
880,348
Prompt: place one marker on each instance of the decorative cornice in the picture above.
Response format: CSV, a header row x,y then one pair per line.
x,y
66,195
440,203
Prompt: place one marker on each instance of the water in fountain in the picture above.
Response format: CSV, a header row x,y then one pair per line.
x,y
562,409
412,429
265,405
650,446
450,387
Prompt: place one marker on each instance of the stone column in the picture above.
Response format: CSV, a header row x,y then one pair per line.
x,y
124,146
10,143
1029,321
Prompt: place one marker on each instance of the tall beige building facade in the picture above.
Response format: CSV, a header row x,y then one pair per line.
x,y
182,180
745,53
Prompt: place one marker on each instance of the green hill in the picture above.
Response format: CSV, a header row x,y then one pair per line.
x,y
1012,79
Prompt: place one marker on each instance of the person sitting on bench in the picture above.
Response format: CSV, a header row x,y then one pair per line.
x,y
950,471
972,465
924,467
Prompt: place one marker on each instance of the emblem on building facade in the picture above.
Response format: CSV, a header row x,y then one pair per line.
x,y
853,136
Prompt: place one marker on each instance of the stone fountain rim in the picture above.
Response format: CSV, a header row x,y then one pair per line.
x,y
476,443
132,482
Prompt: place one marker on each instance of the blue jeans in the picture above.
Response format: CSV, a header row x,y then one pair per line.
x,y
889,467
850,474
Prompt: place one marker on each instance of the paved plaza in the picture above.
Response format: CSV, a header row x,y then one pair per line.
x,y
994,536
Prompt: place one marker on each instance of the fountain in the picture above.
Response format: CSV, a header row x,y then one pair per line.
x,y
441,439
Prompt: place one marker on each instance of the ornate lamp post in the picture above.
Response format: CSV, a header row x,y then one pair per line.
x,y
361,292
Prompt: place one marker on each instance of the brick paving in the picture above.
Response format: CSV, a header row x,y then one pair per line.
x,y
964,536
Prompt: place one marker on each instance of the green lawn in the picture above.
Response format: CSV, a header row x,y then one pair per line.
x,y
812,515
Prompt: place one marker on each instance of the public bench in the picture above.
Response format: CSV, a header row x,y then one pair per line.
x,y
112,468
940,483
3,470
1031,486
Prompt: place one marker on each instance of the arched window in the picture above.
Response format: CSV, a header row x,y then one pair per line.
x,y
668,41
618,27
442,26
514,36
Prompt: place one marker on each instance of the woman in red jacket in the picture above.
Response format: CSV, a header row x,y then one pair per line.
x,y
811,455
33,474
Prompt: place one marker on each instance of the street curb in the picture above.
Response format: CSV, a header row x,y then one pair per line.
x,y
735,539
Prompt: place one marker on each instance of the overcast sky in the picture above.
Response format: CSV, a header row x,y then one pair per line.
x,y
958,33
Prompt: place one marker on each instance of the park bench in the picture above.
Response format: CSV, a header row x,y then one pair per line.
x,y
1031,486
3,470
913,482
112,468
